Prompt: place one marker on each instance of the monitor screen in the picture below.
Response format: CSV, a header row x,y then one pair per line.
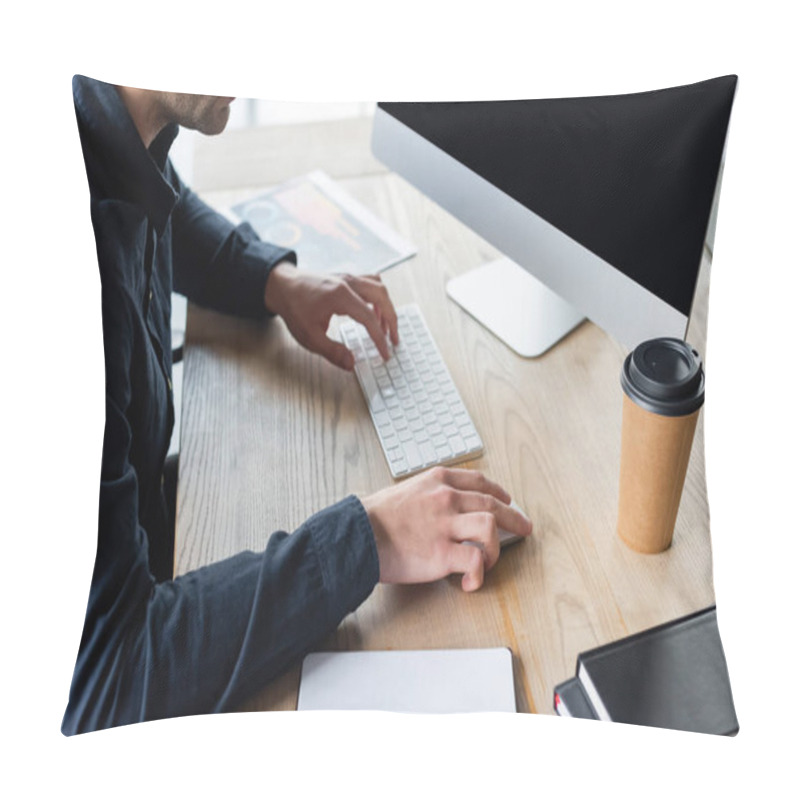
x,y
628,178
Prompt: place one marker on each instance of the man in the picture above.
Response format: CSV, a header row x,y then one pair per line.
x,y
155,647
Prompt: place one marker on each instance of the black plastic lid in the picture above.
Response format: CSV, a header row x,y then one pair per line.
x,y
664,376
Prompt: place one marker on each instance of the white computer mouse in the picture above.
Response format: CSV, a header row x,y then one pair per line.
x,y
506,537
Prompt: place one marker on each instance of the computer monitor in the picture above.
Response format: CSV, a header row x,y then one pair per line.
x,y
604,202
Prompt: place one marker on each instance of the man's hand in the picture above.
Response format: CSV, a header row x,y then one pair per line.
x,y
307,301
422,525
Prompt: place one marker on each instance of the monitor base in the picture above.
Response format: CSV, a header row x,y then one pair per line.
x,y
516,307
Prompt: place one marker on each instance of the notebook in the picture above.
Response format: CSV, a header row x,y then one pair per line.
x,y
570,700
411,681
671,676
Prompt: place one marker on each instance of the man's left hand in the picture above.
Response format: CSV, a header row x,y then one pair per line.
x,y
307,301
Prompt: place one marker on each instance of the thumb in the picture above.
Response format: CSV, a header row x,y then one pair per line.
x,y
335,352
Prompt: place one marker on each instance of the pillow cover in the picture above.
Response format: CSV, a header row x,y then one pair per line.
x,y
195,606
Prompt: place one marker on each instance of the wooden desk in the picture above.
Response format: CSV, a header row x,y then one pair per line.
x,y
271,434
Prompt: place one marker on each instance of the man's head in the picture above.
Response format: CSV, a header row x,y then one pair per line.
x,y
151,111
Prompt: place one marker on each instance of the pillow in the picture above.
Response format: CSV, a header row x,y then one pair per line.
x,y
275,438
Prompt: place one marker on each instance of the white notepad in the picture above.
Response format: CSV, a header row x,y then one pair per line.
x,y
412,681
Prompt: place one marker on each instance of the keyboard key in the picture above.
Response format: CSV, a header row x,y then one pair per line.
x,y
391,441
381,419
413,456
427,452
457,445
472,442
421,436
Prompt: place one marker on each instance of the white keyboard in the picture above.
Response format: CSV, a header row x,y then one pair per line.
x,y
417,411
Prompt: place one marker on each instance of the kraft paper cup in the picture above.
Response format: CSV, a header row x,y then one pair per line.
x,y
664,390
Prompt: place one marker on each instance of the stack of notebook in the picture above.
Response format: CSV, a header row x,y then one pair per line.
x,y
671,676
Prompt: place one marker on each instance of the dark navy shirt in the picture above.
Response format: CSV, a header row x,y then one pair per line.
x,y
207,640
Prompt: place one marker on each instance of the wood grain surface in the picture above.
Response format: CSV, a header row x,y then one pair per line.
x,y
272,434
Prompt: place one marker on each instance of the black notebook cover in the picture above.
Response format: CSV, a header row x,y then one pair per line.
x,y
670,676
569,700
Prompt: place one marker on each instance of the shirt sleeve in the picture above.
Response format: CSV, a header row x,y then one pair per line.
x,y
216,264
209,639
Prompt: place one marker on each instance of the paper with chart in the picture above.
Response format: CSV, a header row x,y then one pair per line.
x,y
330,231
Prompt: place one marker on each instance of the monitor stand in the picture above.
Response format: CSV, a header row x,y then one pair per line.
x,y
516,307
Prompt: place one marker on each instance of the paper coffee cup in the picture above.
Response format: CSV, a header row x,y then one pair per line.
x,y
664,389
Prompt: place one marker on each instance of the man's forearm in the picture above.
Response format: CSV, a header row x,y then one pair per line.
x,y
218,265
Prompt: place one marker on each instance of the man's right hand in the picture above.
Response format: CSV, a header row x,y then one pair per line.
x,y
423,526
307,301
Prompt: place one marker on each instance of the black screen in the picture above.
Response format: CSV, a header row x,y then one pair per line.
x,y
630,177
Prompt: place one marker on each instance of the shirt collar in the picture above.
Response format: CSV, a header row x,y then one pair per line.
x,y
117,163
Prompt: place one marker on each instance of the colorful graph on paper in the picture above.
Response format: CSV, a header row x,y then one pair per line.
x,y
329,230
